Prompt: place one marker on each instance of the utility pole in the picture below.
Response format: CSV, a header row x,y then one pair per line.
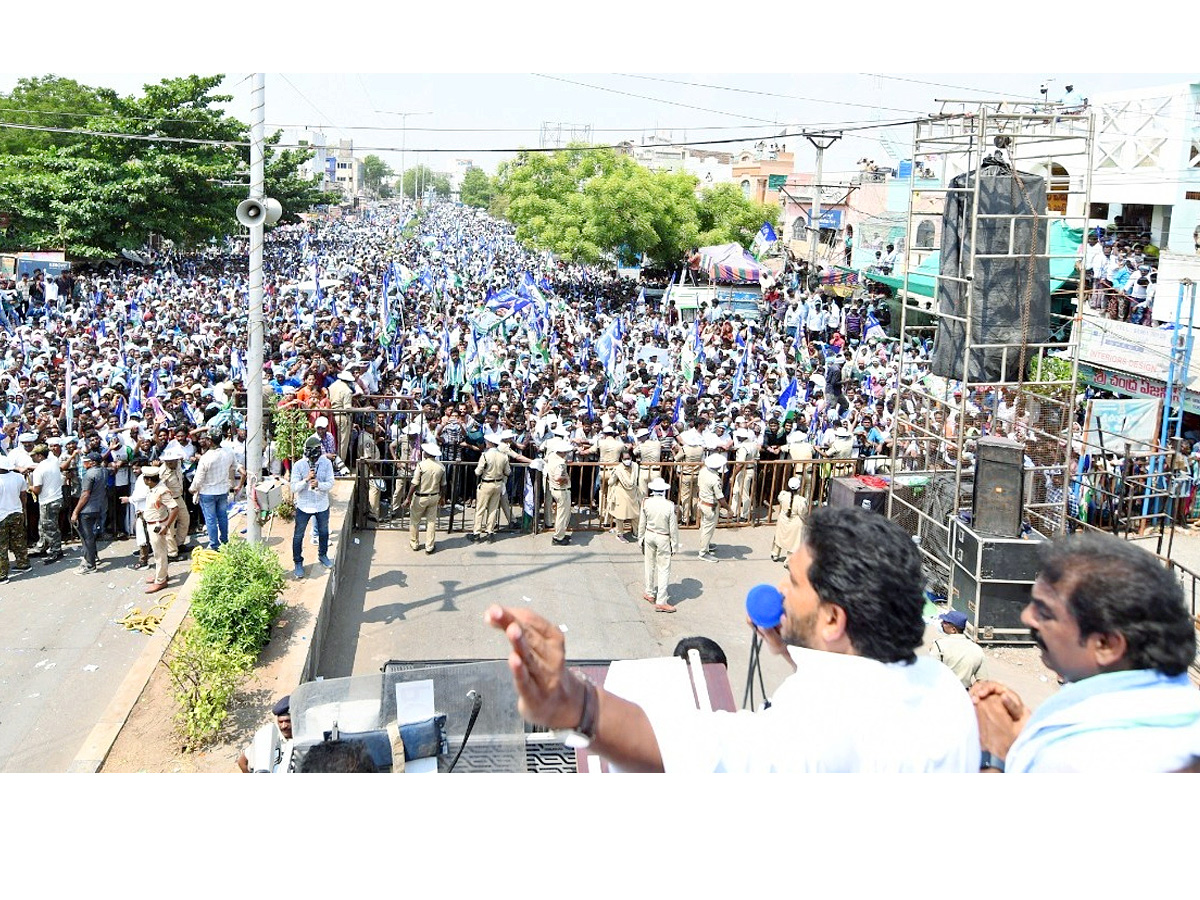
x,y
254,387
822,142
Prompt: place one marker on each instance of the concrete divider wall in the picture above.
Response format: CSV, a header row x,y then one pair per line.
x,y
290,658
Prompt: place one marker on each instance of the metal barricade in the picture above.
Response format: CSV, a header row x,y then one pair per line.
x,y
382,486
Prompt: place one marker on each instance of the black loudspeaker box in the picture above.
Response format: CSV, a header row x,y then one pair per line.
x,y
991,582
999,481
849,491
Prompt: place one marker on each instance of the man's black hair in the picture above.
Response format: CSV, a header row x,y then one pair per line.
x,y
868,565
710,651
1114,587
338,756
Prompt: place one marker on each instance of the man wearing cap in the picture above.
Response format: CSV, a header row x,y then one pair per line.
x,y
658,535
558,486
171,476
424,497
406,449
690,455
711,499
609,447
341,400
648,454
47,486
492,470
12,519
745,463
789,527
159,515
963,656
271,748
90,508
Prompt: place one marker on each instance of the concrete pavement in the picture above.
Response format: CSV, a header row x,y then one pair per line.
x,y
396,603
62,653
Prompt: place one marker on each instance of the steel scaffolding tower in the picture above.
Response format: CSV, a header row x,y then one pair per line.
x,y
1032,398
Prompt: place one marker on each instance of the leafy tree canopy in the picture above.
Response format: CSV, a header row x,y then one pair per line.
x,y
170,162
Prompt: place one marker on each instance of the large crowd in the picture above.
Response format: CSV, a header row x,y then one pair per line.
x,y
453,331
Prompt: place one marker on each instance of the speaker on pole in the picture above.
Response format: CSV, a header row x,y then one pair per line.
x,y
1002,252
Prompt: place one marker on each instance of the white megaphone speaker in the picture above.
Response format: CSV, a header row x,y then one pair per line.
x,y
251,211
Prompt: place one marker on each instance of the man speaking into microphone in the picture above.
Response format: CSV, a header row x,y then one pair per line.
x,y
859,698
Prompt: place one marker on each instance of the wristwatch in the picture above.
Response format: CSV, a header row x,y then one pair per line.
x,y
990,760
581,736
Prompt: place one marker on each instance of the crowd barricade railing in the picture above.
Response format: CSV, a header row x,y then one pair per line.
x,y
382,486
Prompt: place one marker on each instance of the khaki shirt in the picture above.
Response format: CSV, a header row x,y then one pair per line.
x,y
556,473
610,450
964,657
159,504
658,515
709,483
429,478
649,451
800,451
493,465
693,459
747,453
172,480
341,395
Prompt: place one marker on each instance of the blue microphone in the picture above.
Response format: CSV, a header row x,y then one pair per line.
x,y
764,606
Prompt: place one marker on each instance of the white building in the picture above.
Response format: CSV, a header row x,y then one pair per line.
x,y
1146,162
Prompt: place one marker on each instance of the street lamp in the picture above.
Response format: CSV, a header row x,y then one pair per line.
x,y
404,139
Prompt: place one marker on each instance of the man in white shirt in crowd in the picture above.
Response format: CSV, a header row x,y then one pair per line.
x,y
47,486
214,480
12,520
860,698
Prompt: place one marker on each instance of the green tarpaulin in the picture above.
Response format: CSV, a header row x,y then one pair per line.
x,y
1064,249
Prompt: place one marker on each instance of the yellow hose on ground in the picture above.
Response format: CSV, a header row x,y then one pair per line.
x,y
148,622
201,557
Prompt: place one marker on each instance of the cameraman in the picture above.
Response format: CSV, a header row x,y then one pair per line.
x,y
312,480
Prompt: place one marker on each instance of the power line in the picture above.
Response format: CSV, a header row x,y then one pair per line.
x,y
596,87
958,87
721,87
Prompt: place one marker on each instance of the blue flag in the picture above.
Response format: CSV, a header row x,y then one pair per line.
x,y
788,394
678,404
768,233
654,398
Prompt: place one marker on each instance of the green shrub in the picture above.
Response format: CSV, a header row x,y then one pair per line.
x,y
238,597
205,676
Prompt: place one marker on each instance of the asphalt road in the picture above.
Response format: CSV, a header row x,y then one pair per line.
x,y
63,656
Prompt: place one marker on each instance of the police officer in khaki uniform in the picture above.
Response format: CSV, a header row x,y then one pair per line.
x,y
492,471
648,454
609,447
712,498
745,463
161,512
558,486
504,447
171,473
406,450
658,535
424,497
691,454
367,448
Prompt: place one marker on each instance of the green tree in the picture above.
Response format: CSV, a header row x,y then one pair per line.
x,y
727,216
49,101
375,170
591,204
178,168
477,188
426,179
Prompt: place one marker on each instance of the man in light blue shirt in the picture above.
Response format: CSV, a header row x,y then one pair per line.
x,y
1111,621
